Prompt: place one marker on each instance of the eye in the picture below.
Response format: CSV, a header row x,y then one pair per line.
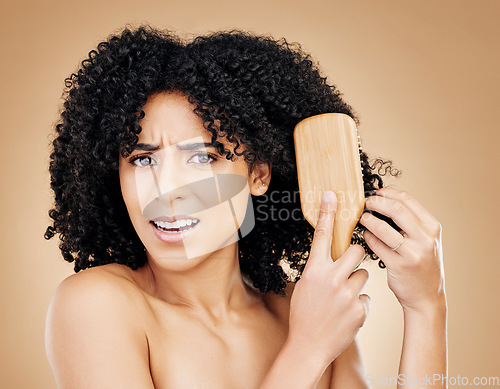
x,y
202,158
142,160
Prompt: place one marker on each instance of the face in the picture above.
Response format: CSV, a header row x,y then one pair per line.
x,y
185,200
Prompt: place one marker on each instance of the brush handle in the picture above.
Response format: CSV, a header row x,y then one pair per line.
x,y
327,155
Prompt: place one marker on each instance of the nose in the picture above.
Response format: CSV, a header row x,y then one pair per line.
x,y
170,193
169,182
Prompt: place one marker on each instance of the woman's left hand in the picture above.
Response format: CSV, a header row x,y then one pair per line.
x,y
415,269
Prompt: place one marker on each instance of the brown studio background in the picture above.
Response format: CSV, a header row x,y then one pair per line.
x,y
423,76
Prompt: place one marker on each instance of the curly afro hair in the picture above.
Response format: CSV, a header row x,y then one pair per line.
x,y
250,89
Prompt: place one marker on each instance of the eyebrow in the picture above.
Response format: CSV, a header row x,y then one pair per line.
x,y
183,146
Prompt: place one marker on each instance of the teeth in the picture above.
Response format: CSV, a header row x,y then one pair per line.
x,y
177,224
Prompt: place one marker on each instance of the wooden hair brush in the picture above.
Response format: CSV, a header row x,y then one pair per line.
x,y
327,149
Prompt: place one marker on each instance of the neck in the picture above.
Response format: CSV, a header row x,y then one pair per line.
x,y
213,288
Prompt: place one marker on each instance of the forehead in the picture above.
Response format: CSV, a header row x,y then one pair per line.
x,y
169,119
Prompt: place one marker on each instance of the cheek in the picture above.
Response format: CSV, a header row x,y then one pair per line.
x,y
241,203
128,189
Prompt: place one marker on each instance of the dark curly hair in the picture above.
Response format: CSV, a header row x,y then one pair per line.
x,y
250,89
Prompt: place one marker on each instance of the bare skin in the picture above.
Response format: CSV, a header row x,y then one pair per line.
x,y
181,349
189,323
193,322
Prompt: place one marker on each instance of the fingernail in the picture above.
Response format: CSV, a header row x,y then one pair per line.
x,y
328,196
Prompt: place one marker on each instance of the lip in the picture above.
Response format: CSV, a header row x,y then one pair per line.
x,y
169,237
172,219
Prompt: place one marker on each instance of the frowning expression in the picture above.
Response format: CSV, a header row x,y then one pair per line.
x,y
185,200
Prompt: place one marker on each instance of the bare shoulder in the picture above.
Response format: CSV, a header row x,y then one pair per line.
x,y
93,335
110,285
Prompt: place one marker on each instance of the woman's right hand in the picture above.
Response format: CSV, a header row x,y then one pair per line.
x,y
326,307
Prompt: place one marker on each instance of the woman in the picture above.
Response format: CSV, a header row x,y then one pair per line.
x,y
161,144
